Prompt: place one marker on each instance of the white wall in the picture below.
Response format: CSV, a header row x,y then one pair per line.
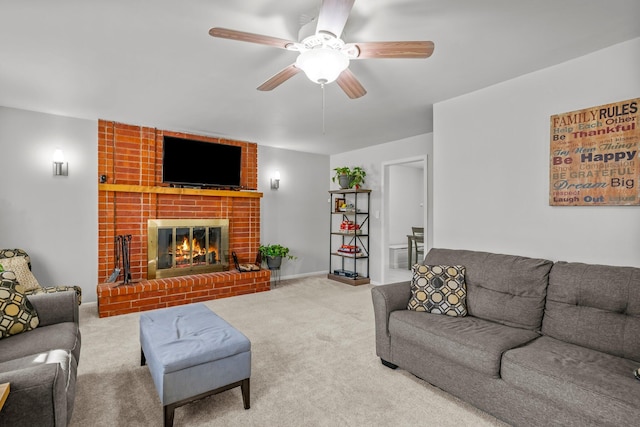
x,y
297,214
372,160
54,219
491,173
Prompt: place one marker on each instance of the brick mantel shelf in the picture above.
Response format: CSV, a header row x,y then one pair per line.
x,y
173,190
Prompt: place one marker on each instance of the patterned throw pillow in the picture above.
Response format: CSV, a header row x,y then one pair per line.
x,y
439,289
16,312
10,253
20,266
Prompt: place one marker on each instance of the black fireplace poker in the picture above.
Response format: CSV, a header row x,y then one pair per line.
x,y
122,253
126,260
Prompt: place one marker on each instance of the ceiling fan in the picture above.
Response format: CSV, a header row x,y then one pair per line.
x,y
323,56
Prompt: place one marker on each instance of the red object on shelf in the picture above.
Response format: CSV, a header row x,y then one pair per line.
x,y
349,225
349,249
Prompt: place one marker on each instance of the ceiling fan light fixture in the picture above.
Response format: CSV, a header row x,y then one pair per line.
x,y
322,65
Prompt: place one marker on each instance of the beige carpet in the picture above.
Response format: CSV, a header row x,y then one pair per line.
x,y
314,364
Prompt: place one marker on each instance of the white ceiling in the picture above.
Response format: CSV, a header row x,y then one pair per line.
x,y
152,62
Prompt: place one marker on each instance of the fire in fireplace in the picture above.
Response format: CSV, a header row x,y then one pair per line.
x,y
178,247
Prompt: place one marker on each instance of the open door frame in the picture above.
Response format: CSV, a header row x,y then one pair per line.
x,y
384,247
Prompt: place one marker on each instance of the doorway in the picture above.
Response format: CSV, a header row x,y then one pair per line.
x,y
404,206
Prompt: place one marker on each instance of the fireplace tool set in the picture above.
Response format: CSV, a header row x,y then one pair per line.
x,y
122,244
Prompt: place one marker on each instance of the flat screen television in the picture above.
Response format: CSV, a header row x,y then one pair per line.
x,y
199,163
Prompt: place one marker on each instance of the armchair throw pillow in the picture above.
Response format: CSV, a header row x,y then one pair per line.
x,y
20,266
10,253
17,314
439,289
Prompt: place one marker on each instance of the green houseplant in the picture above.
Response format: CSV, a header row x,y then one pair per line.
x,y
274,254
349,178
357,177
343,176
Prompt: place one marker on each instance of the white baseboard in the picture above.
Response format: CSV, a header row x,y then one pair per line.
x,y
299,276
317,273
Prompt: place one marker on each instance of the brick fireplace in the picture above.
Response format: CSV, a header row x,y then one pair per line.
x,y
130,157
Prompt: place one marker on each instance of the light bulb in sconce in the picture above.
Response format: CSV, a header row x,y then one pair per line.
x,y
60,167
275,180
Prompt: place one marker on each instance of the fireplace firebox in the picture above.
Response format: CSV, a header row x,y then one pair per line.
x,y
178,247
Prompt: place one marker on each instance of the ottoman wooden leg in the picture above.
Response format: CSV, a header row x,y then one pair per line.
x,y
168,415
245,393
170,409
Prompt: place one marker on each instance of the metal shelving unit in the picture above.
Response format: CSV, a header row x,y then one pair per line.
x,y
349,245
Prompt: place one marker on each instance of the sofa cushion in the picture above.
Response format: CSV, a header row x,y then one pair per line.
x,y
472,342
438,289
507,289
65,336
583,380
595,306
17,314
20,267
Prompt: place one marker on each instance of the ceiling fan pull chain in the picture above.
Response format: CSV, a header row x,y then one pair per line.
x,y
323,103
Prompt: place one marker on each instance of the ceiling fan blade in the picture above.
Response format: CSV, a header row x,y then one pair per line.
x,y
333,16
418,49
241,36
350,84
279,78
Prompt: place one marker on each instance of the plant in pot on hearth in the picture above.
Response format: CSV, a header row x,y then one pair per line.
x,y
273,254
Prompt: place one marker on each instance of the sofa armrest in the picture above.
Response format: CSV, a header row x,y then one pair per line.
x,y
387,298
56,307
37,398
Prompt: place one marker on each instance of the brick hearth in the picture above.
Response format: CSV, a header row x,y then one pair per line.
x,y
131,159
161,293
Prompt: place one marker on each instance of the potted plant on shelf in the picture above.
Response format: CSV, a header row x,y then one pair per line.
x,y
357,177
274,254
349,178
343,175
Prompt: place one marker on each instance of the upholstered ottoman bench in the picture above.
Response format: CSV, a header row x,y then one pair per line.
x,y
193,353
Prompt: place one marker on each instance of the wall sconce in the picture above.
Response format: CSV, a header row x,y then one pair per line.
x,y
275,181
60,167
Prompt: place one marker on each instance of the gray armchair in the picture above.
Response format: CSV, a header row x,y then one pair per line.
x,y
41,364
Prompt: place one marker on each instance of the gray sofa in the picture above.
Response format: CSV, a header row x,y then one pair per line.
x,y
41,364
542,344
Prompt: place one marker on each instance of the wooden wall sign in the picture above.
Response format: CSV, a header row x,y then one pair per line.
x,y
594,157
